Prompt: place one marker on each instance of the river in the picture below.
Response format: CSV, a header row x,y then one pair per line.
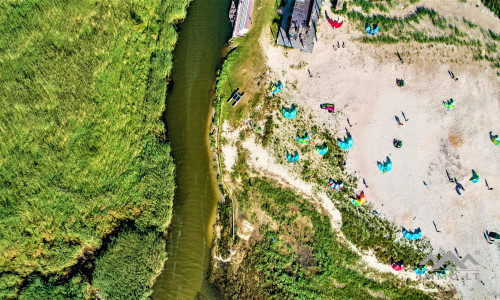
x,y
188,115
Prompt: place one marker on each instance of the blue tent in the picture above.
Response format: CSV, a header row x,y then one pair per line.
x,y
303,139
346,143
420,270
371,31
415,235
322,149
386,166
291,112
279,88
292,158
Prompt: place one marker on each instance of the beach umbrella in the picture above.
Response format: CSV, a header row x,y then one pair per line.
x,y
360,200
346,143
385,166
415,235
303,139
420,270
495,139
475,177
450,104
322,149
291,112
397,143
328,106
292,158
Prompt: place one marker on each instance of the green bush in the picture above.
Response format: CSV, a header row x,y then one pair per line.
x,y
39,288
493,5
126,269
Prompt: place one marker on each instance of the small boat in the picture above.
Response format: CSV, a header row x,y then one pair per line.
x,y
232,13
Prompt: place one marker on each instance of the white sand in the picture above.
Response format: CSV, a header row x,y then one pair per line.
x,y
360,81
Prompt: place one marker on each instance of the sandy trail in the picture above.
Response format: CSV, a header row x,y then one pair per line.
x,y
360,81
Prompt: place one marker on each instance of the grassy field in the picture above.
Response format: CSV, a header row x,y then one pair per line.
x,y
83,157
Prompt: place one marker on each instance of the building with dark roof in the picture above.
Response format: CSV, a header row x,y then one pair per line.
x,y
298,24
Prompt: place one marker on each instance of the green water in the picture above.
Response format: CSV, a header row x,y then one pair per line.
x,y
188,115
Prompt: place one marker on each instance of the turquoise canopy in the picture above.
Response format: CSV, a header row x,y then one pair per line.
x,y
386,166
291,112
279,88
292,158
322,149
420,270
346,143
475,177
370,30
415,235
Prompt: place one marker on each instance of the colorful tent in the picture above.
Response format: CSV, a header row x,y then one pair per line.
x,y
336,185
279,88
450,104
495,139
335,24
420,270
415,235
360,200
303,139
292,158
398,266
346,143
291,112
322,149
475,177
397,143
371,31
328,106
386,166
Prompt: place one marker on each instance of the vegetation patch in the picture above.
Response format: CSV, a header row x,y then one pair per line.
x,y
83,148
298,255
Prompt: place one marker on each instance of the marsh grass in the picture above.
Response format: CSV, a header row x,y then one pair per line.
x,y
82,145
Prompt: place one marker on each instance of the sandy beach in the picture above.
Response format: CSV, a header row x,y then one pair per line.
x,y
360,79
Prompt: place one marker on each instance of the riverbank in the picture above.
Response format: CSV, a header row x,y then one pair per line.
x,y
359,79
